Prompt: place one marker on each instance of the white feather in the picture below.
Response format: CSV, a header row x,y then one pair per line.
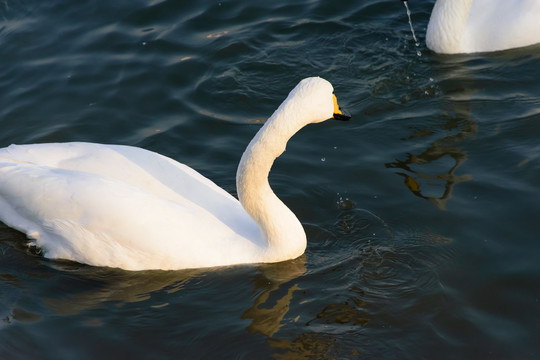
x,y
470,26
121,206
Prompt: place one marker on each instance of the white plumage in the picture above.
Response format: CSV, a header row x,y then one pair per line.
x,y
126,207
470,26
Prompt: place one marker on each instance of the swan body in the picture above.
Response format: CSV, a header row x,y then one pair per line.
x,y
470,26
126,207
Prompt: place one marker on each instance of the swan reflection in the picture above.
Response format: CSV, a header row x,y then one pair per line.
x,y
273,303
91,288
432,174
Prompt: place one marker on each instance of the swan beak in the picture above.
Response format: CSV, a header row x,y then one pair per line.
x,y
338,113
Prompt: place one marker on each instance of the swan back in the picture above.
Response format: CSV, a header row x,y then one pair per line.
x,y
469,26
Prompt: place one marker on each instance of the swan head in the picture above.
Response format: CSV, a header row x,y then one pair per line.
x,y
312,101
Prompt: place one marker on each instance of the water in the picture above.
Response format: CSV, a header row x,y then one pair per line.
x,y
422,212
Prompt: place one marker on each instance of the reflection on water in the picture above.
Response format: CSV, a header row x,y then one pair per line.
x,y
275,282
270,307
431,174
112,285
306,346
347,312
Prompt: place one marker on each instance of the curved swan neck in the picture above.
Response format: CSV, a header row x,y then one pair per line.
x,y
311,101
280,227
447,25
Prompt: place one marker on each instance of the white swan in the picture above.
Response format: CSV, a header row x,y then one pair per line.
x,y
470,26
125,207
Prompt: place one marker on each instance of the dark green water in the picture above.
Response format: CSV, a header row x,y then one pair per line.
x,y
422,213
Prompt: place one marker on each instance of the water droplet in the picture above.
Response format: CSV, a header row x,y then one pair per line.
x,y
416,43
410,22
346,204
323,159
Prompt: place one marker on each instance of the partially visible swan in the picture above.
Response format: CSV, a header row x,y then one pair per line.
x,y
470,26
125,207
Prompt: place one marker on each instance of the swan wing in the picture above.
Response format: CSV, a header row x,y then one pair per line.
x,y
121,206
141,168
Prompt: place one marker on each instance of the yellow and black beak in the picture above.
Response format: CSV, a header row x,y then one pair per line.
x,y
338,113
